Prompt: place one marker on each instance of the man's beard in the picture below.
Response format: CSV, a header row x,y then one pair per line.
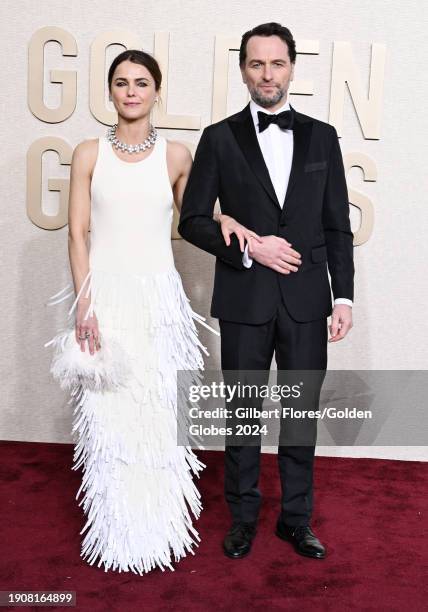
x,y
268,102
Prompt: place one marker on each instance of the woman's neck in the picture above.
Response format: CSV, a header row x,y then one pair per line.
x,y
133,132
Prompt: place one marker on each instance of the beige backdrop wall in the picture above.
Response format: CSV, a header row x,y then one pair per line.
x,y
390,329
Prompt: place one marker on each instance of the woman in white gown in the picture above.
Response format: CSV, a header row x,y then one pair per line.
x,y
137,483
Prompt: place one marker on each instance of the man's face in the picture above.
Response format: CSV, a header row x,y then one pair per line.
x,y
268,71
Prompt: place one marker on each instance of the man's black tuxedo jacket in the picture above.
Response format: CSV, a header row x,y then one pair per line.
x,y
229,165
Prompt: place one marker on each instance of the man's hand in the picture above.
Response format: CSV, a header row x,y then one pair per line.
x,y
276,253
341,322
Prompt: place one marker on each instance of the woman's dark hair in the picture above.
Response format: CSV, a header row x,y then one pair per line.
x,y
138,57
268,29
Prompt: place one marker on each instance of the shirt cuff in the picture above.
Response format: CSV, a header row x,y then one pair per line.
x,y
342,301
246,259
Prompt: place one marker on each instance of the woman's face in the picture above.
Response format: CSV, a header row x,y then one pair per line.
x,y
133,90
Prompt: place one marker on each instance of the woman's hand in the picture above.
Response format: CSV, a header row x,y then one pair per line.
x,y
229,226
87,329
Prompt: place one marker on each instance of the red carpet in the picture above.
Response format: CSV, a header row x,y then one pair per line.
x,y
371,514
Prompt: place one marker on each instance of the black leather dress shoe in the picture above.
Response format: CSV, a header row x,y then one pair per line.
x,y
237,543
303,539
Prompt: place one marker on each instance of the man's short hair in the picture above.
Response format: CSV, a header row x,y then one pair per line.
x,y
268,29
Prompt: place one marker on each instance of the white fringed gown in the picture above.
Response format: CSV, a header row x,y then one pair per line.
x,y
137,483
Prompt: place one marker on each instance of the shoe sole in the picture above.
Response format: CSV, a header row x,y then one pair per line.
x,y
284,538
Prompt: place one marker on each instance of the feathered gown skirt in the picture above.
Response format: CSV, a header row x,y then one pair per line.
x,y
137,489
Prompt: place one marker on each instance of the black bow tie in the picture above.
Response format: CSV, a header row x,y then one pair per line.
x,y
284,120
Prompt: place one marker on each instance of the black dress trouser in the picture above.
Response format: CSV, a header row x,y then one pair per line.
x,y
297,346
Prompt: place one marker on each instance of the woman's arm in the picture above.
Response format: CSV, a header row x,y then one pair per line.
x,y
79,210
230,226
181,163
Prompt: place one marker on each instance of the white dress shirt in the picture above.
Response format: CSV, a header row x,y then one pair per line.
x,y
276,146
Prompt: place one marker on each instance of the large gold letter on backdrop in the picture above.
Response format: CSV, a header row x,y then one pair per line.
x,y
369,108
161,119
367,165
68,78
34,182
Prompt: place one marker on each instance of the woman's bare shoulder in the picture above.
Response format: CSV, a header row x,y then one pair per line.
x,y
178,151
87,147
85,153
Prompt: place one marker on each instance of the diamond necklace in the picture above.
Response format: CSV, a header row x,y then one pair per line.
x,y
127,148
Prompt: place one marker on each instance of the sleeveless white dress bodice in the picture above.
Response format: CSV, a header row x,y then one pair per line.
x,y
131,212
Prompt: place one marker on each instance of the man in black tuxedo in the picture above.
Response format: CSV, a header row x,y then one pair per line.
x,y
280,174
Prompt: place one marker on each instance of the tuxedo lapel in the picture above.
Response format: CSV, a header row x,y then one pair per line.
x,y
242,126
301,140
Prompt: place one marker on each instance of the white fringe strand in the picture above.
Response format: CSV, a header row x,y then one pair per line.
x,y
137,488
